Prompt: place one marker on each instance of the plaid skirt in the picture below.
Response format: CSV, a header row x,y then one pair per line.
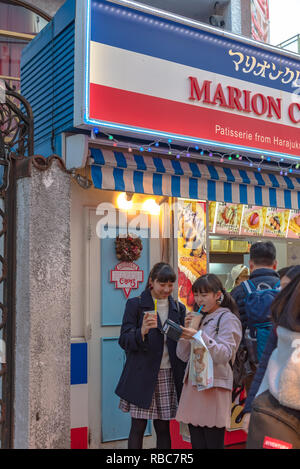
x,y
164,401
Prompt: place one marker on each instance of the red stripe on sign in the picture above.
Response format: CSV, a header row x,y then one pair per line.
x,y
139,110
79,438
271,443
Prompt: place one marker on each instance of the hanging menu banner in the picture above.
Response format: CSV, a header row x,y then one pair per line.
x,y
192,258
251,220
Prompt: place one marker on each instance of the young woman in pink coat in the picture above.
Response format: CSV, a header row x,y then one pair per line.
x,y
208,412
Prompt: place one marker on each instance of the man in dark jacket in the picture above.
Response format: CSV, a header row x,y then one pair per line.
x,y
262,266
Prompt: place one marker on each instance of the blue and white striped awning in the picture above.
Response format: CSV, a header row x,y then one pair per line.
x,y
129,172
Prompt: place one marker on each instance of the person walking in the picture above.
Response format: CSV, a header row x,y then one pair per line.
x,y
238,274
288,274
262,266
208,412
275,415
151,381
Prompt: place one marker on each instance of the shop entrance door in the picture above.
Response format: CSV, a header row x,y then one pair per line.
x,y
108,426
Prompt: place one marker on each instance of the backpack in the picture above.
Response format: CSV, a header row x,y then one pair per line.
x,y
257,306
272,425
244,364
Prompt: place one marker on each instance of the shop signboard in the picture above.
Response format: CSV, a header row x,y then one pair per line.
x,y
153,74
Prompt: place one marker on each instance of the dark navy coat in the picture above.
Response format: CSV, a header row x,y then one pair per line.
x,y
139,376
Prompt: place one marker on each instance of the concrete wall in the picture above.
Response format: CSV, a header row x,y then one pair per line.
x,y
43,319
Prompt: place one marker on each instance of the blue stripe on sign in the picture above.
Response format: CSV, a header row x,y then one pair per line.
x,y
195,170
120,159
159,165
141,165
274,180
97,176
211,190
157,184
193,188
259,179
227,192
177,168
258,195
273,197
97,154
287,199
213,172
243,194
244,176
119,179
298,195
138,178
175,186
110,26
289,183
229,175
79,363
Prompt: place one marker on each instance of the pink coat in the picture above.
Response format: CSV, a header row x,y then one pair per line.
x,y
222,346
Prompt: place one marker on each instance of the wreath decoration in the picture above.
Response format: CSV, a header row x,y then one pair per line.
x,y
129,248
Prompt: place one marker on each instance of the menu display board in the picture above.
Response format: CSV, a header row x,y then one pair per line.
x,y
251,220
277,222
192,258
294,224
227,218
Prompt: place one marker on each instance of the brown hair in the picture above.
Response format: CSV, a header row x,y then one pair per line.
x,y
211,283
286,306
162,272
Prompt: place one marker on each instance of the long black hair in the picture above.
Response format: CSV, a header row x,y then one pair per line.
x,y
285,308
211,283
162,272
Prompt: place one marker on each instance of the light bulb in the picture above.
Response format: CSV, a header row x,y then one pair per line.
x,y
151,206
123,203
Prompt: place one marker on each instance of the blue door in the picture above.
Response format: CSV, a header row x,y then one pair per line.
x,y
115,424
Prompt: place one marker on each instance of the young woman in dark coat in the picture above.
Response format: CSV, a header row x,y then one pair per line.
x,y
151,381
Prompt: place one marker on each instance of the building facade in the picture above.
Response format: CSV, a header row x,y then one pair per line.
x,y
20,22
198,127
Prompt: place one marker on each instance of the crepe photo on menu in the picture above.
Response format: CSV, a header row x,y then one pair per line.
x,y
277,220
253,220
294,224
228,218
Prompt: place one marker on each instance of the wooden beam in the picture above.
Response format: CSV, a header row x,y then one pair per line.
x,y
15,35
